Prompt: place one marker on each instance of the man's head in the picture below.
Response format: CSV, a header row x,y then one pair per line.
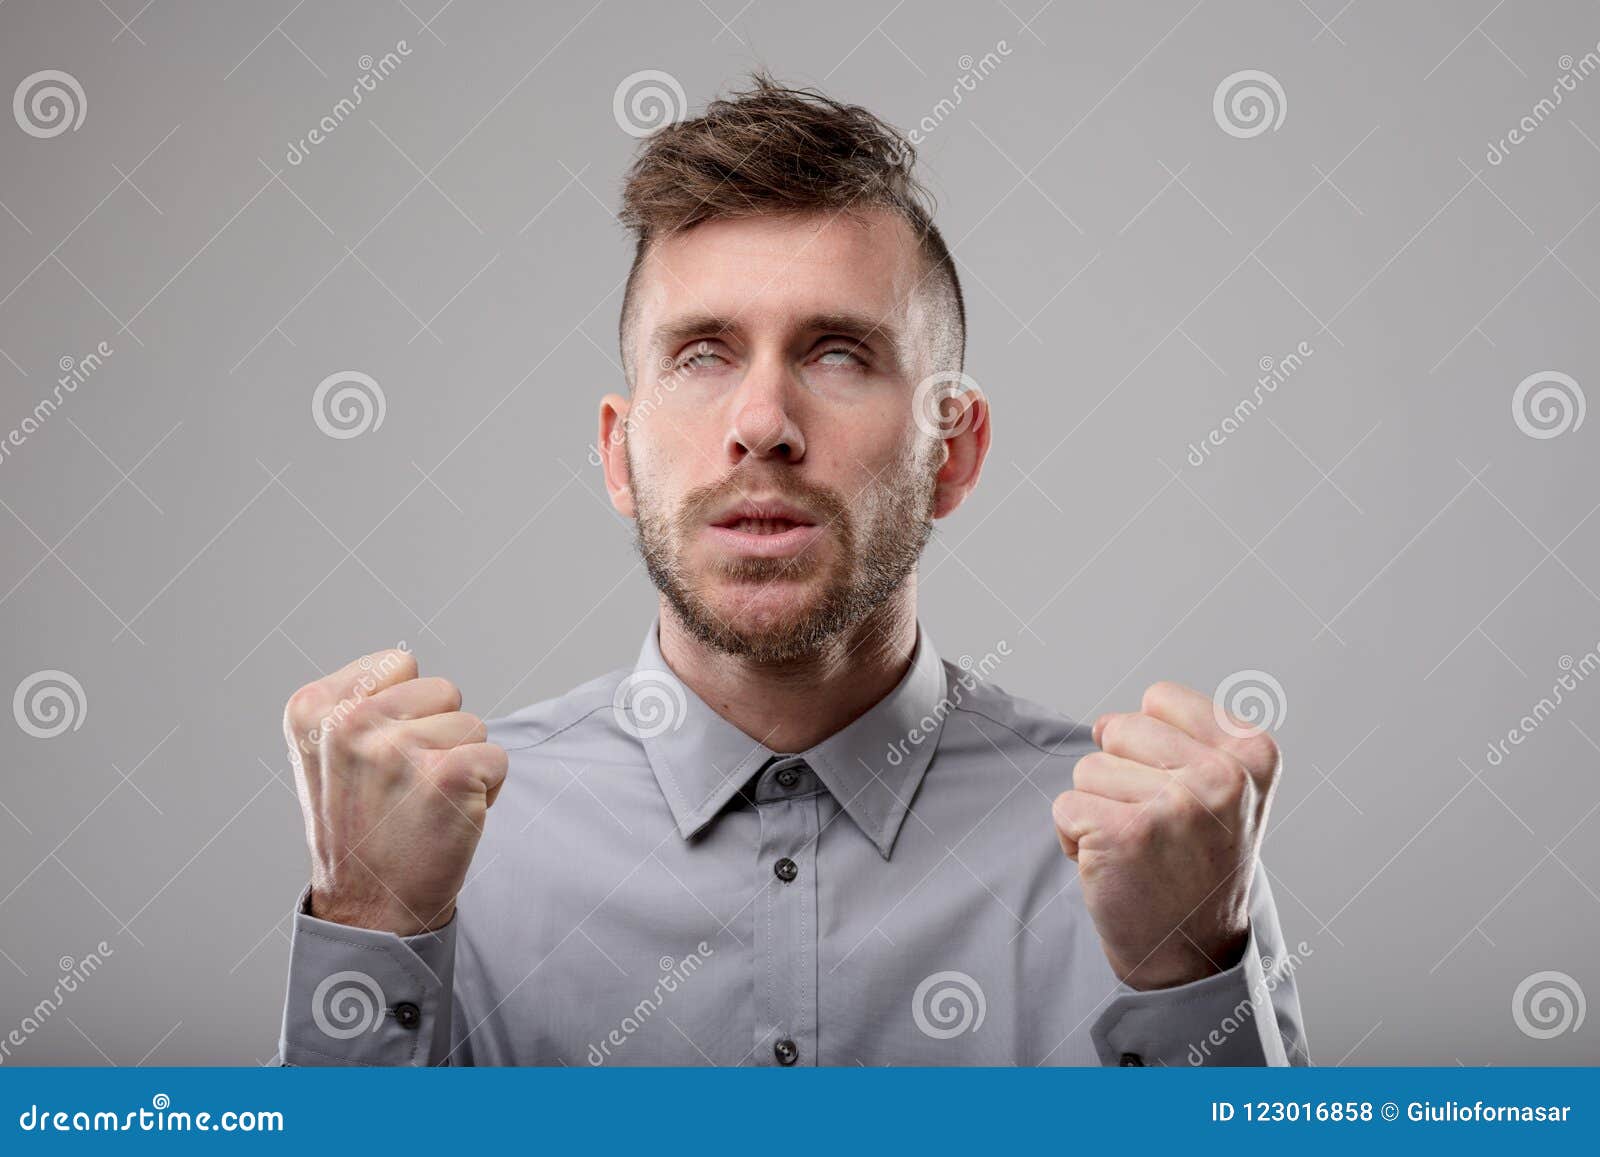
x,y
789,295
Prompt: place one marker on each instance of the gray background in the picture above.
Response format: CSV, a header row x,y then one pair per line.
x,y
1380,536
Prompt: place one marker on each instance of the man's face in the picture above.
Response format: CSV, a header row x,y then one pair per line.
x,y
781,487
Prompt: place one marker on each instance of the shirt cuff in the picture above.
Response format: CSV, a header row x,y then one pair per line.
x,y
362,997
1226,1019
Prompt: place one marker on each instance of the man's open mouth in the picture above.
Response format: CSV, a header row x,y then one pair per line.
x,y
765,528
760,525
763,518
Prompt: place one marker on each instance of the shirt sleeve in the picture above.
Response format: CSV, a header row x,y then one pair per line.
x,y
361,997
1246,1015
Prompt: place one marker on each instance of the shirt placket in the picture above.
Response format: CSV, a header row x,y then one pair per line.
x,y
786,916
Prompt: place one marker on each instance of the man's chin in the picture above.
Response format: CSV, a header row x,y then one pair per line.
x,y
771,621
769,607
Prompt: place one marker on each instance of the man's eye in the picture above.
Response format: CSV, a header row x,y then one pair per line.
x,y
700,359
840,357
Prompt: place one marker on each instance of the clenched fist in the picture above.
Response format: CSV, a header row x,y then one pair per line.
x,y
1165,821
395,781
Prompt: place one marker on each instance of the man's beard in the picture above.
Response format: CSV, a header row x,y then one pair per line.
x,y
872,561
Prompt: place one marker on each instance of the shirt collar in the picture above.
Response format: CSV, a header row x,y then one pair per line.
x,y
872,767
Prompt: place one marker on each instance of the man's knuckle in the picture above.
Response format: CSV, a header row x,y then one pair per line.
x,y
1157,693
449,692
1260,753
305,708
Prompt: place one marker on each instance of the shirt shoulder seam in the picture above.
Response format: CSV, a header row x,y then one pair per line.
x,y
557,731
1000,723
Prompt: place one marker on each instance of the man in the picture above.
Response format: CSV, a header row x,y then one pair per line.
x,y
790,833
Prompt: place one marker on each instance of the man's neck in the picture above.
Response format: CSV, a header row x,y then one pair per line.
x,y
791,707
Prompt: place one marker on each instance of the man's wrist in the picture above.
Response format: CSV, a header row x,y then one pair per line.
x,y
1185,963
372,916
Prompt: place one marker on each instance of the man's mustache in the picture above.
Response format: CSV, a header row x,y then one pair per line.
x,y
701,503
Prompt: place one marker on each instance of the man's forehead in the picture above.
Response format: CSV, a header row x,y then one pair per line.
x,y
769,269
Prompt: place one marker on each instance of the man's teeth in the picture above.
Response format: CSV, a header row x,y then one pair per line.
x,y
763,525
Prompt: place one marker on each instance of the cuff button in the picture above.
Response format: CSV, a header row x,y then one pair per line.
x,y
1131,1061
407,1015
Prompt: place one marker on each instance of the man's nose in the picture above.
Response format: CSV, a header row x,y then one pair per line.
x,y
764,425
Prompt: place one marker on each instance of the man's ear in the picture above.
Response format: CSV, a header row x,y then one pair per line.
x,y
966,445
613,450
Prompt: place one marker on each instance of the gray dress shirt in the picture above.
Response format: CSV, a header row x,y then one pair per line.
x,y
654,887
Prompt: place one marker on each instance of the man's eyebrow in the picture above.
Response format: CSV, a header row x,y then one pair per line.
x,y
856,326
671,334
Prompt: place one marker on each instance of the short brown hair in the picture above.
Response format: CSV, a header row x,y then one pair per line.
x,y
772,149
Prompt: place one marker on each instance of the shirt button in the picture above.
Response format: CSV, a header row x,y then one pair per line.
x,y
786,1052
1131,1061
407,1015
788,777
786,870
